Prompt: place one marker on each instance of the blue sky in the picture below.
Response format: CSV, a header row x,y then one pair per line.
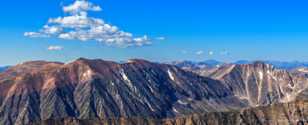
x,y
228,29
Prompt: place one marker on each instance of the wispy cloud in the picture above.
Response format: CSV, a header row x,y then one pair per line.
x,y
224,53
55,48
78,25
184,51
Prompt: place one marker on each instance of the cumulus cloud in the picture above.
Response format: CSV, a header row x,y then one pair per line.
x,y
80,6
55,48
77,25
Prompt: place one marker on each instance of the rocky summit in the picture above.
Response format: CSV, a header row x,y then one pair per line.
x,y
140,92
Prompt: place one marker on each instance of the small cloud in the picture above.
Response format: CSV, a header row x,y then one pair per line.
x,y
34,34
200,52
224,52
55,48
81,5
184,52
161,38
211,53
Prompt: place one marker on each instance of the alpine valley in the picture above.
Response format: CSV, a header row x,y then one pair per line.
x,y
139,92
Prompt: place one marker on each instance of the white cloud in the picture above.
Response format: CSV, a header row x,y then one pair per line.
x,y
32,34
161,38
55,48
200,52
80,6
211,53
77,25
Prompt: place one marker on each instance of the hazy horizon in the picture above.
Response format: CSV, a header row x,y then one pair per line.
x,y
169,61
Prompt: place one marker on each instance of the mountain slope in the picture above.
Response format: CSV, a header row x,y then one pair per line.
x,y
259,83
292,113
97,89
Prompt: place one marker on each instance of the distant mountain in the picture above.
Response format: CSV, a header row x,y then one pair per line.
x,y
288,65
213,63
2,69
279,64
97,89
197,65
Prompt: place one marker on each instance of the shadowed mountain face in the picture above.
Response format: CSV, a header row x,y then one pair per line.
x,y
97,89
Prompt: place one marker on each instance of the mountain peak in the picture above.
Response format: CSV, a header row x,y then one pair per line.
x,y
102,89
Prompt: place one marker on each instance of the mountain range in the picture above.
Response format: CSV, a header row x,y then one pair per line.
x,y
2,69
140,92
212,63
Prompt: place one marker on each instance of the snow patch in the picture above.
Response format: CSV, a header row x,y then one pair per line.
x,y
124,76
181,102
87,74
149,105
241,97
304,70
287,98
260,85
131,61
171,75
174,110
190,99
127,80
112,83
260,75
290,86
151,89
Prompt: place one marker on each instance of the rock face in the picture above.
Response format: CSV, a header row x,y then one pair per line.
x,y
262,84
97,89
